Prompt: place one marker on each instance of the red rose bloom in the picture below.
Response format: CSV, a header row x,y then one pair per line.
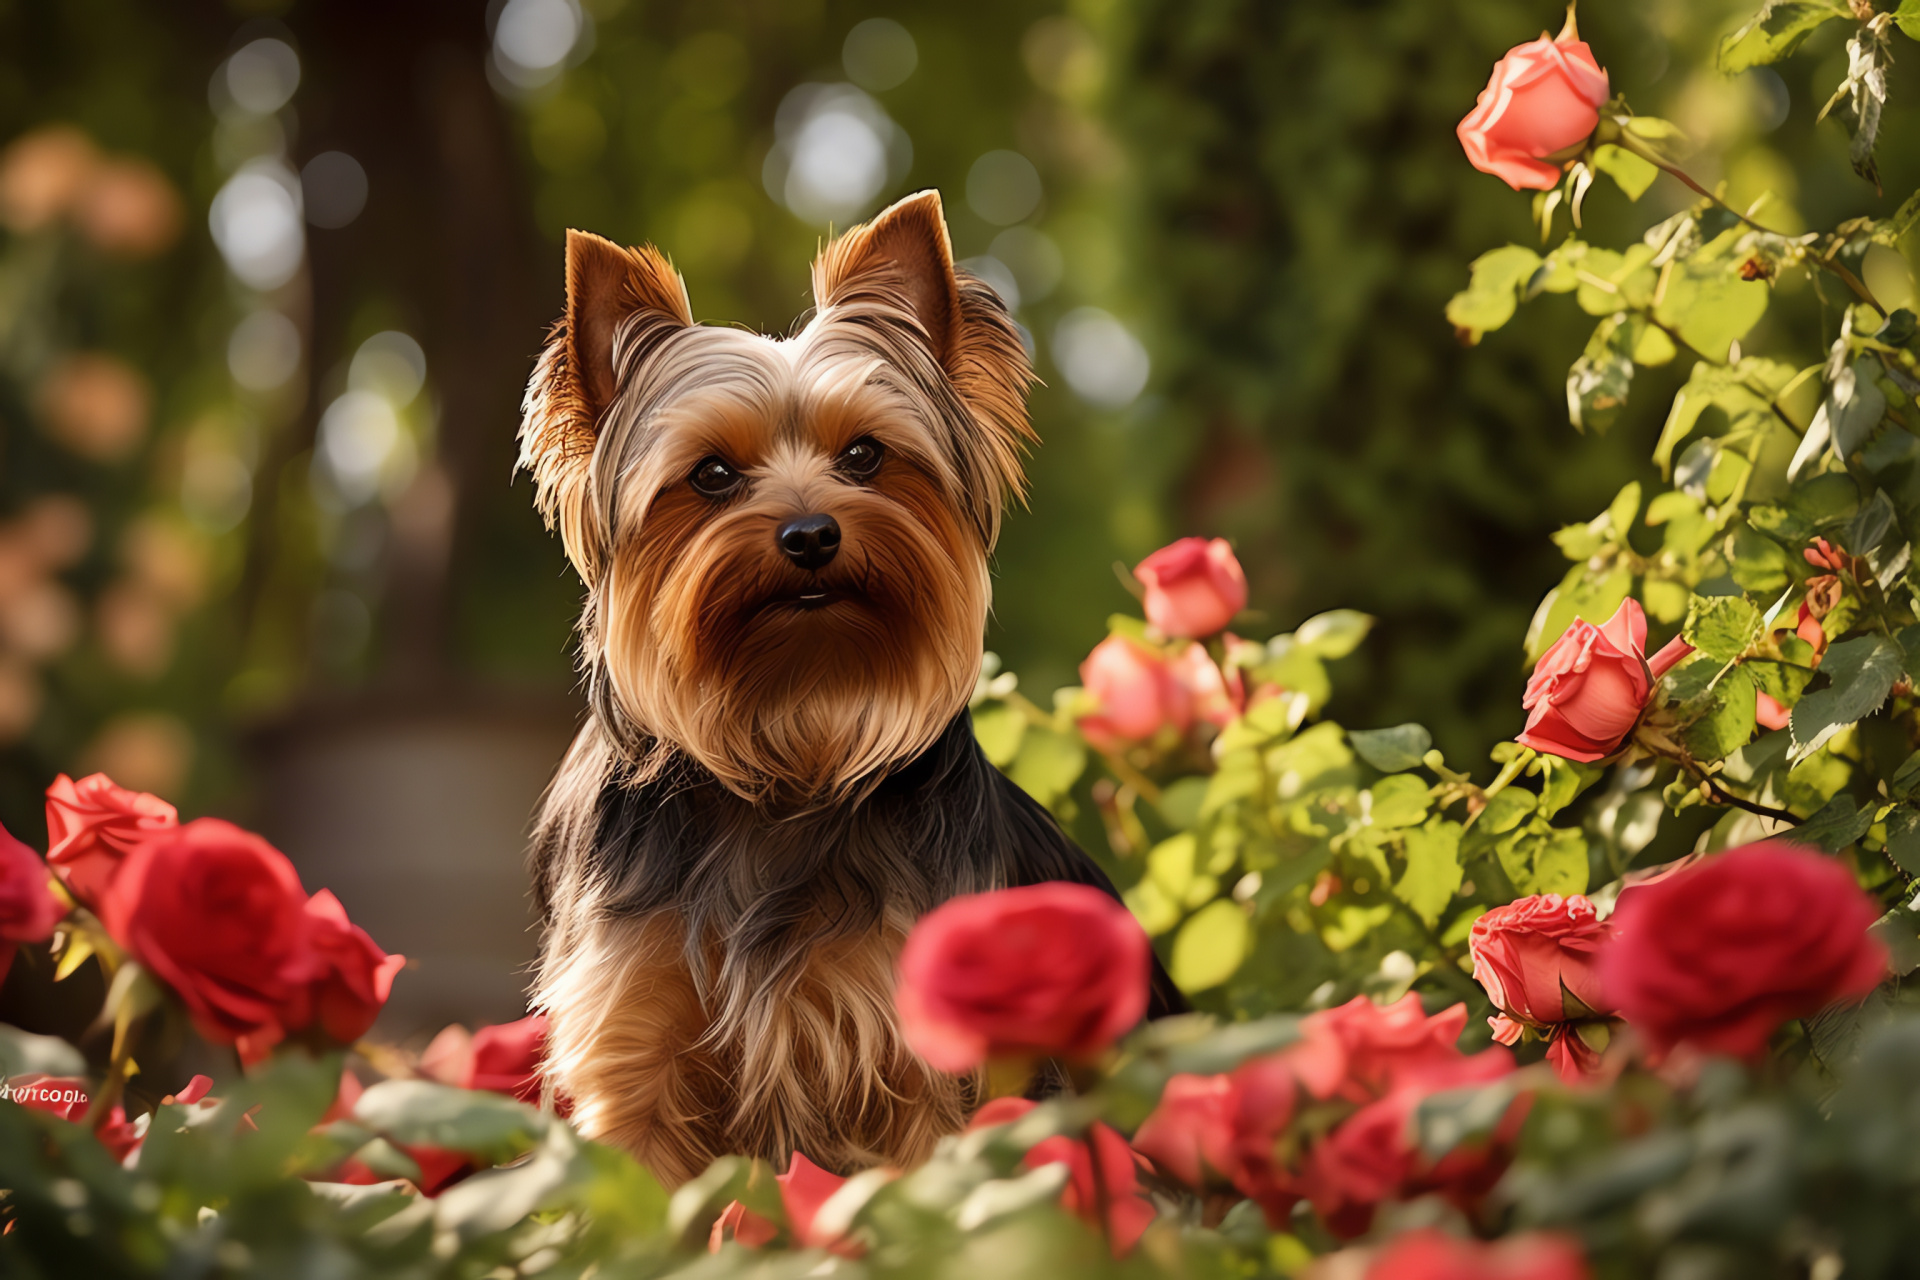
x,y
1538,959
356,975
1190,1134
1137,694
1722,953
804,1189
28,910
1588,689
506,1058
56,1095
1047,970
92,825
1194,587
1128,1210
1367,1050
218,915
1544,99
1427,1254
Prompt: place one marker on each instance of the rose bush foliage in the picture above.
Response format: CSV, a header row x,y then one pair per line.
x,y
1628,1001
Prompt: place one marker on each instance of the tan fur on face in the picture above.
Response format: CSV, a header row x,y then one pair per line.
x,y
817,1065
684,619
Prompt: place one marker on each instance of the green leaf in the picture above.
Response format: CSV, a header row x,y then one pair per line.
x,y
1727,723
1433,871
421,1113
1709,305
1722,627
1563,781
1334,634
1664,138
1781,681
999,729
1211,946
1397,801
1837,824
1890,231
1392,750
1906,779
1048,764
1903,838
1581,594
1863,671
24,1054
1899,929
1611,282
1493,290
1775,32
1628,171
1507,810
1543,859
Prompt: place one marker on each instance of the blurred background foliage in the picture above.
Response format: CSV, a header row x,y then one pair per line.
x,y
273,272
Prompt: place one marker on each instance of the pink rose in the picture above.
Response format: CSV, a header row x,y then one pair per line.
x,y
1194,587
1216,699
1538,959
92,825
1543,101
1588,690
1137,693
1051,969
1721,953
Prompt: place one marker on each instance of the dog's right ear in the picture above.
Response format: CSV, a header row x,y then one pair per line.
x,y
620,302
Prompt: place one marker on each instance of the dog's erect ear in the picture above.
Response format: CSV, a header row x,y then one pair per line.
x,y
903,255
903,261
629,298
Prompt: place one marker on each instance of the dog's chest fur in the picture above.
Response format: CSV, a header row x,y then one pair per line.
x,y
719,979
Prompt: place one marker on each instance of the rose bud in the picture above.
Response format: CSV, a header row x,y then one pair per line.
x,y
1138,694
1767,711
1193,587
1588,690
1217,700
1538,959
1723,952
1542,103
1128,1209
1052,969
92,825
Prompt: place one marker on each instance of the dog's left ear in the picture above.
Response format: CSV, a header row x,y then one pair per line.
x,y
902,262
619,302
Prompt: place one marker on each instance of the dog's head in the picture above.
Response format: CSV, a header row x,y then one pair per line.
x,y
784,541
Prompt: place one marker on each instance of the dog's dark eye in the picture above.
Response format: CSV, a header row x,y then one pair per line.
x,y
714,477
860,459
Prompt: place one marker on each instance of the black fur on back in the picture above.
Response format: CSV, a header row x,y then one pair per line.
x,y
757,888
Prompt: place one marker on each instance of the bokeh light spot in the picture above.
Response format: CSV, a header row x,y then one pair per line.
x,y
879,54
1003,187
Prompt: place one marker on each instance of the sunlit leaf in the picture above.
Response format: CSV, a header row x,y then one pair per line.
x,y
1433,871
1775,32
1210,946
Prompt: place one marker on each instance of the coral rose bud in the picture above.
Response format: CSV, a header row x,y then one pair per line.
x,y
1051,969
92,825
1723,952
1543,100
1587,692
1137,692
1193,587
1538,959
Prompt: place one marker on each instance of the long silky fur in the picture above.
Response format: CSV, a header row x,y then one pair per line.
x,y
761,804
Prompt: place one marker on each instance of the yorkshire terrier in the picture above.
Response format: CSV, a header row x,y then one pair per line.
x,y
784,544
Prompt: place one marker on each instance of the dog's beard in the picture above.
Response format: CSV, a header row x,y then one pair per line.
x,y
788,685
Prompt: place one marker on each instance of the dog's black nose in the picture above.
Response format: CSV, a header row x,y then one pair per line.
x,y
810,541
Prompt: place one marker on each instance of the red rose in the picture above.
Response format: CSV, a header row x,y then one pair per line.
x,y
1362,1050
1538,959
1373,1155
1544,100
1427,1254
218,915
1136,691
1722,953
1587,692
28,910
92,825
1128,1210
1052,969
1190,1134
356,975
805,1189
1216,699
1193,587
506,1058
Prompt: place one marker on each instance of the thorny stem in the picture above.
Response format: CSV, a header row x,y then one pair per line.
x,y
1825,262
